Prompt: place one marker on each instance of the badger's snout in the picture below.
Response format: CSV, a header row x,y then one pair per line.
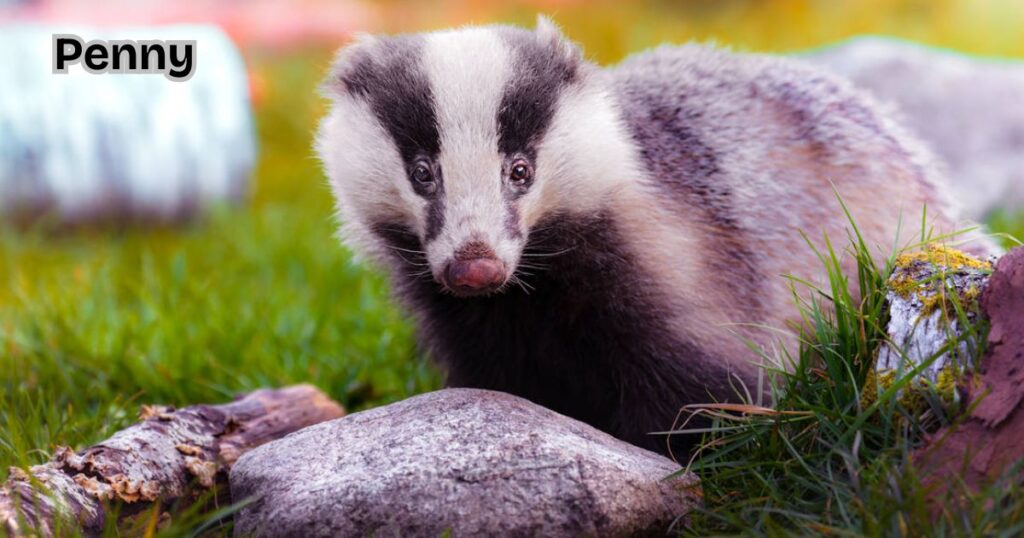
x,y
474,270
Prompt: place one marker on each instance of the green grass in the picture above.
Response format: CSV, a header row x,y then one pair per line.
x,y
96,322
1010,225
826,458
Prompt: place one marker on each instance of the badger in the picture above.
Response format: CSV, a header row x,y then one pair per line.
x,y
606,242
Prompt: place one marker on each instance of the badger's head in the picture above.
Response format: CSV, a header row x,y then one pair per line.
x,y
445,150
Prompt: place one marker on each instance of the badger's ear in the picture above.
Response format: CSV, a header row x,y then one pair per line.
x,y
349,58
550,34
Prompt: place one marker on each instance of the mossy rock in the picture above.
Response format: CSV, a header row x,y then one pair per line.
x,y
933,319
932,275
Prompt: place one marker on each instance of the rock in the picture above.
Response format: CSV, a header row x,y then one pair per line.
x,y
472,462
982,447
968,109
923,318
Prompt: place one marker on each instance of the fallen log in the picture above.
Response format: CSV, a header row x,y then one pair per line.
x,y
157,459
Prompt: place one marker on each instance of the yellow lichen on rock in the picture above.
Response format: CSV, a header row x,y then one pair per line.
x,y
902,284
872,383
923,274
943,256
911,397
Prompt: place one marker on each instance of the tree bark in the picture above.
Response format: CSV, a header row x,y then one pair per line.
x,y
159,458
987,442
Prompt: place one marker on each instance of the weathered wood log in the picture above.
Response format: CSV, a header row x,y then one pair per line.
x,y
157,459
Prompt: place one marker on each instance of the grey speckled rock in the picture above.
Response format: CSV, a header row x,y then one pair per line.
x,y
477,462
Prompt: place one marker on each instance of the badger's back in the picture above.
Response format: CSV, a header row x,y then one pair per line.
x,y
758,148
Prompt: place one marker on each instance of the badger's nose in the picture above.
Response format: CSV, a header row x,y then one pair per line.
x,y
475,276
474,270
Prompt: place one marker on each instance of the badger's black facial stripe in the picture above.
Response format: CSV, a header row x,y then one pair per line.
x,y
435,217
390,79
539,72
673,148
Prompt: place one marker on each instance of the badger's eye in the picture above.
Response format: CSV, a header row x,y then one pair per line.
x,y
521,174
421,174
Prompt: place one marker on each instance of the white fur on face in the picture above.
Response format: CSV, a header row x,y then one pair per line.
x,y
468,71
583,159
366,174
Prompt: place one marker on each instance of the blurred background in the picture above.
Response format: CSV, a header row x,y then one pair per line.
x,y
178,297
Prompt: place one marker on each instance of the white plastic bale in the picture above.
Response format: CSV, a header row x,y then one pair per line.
x,y
139,147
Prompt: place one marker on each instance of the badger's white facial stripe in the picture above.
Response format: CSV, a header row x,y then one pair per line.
x,y
468,71
584,157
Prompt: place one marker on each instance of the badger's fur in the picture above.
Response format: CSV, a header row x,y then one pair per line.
x,y
663,200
